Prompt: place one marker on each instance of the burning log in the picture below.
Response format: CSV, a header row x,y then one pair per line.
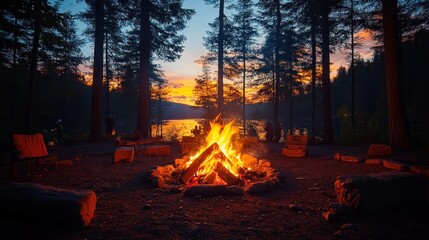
x,y
226,175
210,178
193,168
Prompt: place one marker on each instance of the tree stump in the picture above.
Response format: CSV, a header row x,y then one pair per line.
x,y
40,203
123,154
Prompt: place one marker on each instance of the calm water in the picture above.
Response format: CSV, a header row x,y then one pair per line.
x,y
173,130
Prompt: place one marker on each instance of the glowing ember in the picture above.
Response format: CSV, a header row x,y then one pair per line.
x,y
217,157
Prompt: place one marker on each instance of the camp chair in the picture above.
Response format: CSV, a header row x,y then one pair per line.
x,y
31,148
296,146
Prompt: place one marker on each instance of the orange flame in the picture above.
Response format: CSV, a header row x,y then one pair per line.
x,y
229,157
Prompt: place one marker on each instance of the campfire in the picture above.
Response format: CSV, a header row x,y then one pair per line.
x,y
222,161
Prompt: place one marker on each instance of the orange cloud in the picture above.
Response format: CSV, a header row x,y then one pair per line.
x,y
180,89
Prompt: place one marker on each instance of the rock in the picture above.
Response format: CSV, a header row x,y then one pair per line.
x,y
165,171
374,161
179,162
264,163
381,192
337,156
64,163
123,154
147,206
351,159
249,161
379,150
258,187
396,165
158,182
294,207
330,216
51,205
420,170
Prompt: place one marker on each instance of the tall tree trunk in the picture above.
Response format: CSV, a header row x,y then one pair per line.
x,y
97,82
107,74
326,81
143,119
397,125
352,64
33,64
14,70
277,67
291,96
313,69
220,58
244,76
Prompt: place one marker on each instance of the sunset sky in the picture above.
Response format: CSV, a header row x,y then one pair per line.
x,y
181,74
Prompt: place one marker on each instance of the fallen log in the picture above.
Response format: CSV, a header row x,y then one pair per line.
x,y
380,192
226,175
40,203
193,168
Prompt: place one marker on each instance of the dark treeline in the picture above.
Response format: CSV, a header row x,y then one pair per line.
x,y
281,48
289,64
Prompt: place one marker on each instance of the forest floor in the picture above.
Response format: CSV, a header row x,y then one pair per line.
x,y
129,209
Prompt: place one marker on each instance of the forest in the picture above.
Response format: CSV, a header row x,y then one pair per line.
x,y
281,48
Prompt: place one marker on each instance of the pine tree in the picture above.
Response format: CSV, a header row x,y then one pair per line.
x,y
158,24
397,125
245,40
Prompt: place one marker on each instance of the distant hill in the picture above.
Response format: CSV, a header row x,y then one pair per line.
x,y
181,111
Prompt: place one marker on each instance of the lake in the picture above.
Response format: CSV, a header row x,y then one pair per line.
x,y
173,130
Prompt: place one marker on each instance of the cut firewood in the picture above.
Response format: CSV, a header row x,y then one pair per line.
x,y
193,168
226,175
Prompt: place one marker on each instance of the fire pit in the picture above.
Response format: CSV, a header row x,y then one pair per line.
x,y
223,165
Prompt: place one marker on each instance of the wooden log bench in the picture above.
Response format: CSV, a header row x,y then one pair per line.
x,y
48,205
31,150
125,154
296,146
380,192
157,150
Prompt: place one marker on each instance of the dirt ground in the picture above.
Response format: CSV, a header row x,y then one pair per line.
x,y
129,209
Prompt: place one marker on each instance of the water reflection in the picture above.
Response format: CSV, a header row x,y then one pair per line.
x,y
173,130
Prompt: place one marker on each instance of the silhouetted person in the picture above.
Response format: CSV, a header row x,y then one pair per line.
x,y
196,131
278,132
110,123
60,130
269,131
252,131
